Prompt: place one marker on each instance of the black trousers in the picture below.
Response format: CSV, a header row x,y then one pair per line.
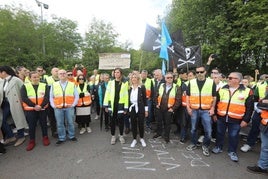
x,y
32,118
164,119
117,119
137,122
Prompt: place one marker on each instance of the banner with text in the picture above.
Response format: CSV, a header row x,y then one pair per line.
x,y
109,61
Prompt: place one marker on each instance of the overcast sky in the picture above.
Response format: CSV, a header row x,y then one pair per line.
x,y
129,17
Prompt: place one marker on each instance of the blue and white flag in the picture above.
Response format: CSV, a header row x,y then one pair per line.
x,y
165,42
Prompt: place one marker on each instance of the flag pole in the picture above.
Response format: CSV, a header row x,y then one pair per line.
x,y
140,60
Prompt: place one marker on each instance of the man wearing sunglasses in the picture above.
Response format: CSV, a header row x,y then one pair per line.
x,y
168,99
234,107
200,102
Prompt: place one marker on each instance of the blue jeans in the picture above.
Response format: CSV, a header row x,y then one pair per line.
x,y
233,134
263,160
255,130
149,118
206,122
68,115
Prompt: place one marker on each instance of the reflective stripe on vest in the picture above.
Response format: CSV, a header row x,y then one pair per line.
x,y
63,97
147,85
171,97
201,99
233,106
110,94
86,100
38,98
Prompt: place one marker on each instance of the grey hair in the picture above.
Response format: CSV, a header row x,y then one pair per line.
x,y
239,75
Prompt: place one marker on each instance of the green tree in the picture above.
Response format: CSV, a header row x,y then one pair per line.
x,y
100,38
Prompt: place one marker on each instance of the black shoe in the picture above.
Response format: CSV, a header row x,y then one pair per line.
x,y
167,140
55,135
127,130
59,142
74,139
156,136
182,141
2,148
257,170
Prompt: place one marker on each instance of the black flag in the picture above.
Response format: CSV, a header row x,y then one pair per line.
x,y
152,39
186,57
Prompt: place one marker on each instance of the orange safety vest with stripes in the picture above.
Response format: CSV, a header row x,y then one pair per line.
x,y
147,84
86,100
36,98
264,116
171,97
232,105
63,98
201,99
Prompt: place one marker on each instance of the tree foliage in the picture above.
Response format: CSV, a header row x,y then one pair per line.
x,y
235,29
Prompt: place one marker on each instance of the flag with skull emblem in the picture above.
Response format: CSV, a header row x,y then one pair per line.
x,y
185,57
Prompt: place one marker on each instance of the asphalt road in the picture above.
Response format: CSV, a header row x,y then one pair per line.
x,y
93,157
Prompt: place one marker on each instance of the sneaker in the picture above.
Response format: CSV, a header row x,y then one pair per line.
x,y
133,144
205,150
191,147
59,142
143,142
113,140
74,139
121,139
213,140
10,140
82,130
19,141
233,156
216,150
257,170
97,117
157,136
148,130
201,139
89,130
182,141
245,148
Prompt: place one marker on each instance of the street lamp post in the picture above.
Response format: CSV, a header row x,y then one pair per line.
x,y
45,6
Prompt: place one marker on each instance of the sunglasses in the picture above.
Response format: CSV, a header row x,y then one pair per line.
x,y
81,78
201,72
70,74
230,78
169,77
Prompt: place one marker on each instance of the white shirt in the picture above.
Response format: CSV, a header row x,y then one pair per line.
x,y
134,99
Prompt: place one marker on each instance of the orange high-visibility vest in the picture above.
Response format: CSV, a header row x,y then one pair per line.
x,y
36,98
171,97
63,98
147,84
264,116
201,99
233,106
86,100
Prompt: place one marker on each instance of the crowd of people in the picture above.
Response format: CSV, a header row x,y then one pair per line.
x,y
202,106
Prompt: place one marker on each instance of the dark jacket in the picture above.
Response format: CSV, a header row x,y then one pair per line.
x,y
141,99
